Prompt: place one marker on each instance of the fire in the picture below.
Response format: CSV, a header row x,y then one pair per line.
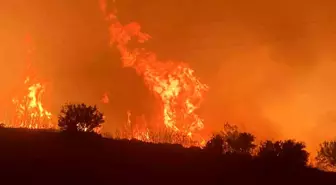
x,y
30,112
174,84
165,135
29,109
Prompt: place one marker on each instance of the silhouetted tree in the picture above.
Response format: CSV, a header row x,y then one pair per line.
x,y
79,117
241,143
269,149
215,144
326,155
288,152
236,141
230,140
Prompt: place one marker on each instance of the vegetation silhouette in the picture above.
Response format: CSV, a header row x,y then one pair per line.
x,y
287,154
231,140
80,117
326,155
230,157
215,144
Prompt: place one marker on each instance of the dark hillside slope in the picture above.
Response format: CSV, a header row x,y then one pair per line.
x,y
45,157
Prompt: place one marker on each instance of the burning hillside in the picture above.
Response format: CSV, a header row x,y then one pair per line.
x,y
30,112
174,84
29,109
270,75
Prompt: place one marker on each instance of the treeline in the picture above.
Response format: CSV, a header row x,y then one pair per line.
x,y
83,118
291,154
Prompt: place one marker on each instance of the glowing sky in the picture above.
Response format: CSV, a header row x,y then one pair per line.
x,y
270,64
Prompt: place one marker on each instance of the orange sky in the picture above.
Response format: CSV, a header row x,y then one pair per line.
x,y
270,64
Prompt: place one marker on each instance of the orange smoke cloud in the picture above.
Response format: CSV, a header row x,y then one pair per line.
x,y
269,63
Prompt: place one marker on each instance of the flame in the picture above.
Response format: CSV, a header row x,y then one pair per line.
x,y
166,135
29,110
174,84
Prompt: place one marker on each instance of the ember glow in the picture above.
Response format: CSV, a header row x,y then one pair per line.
x,y
174,84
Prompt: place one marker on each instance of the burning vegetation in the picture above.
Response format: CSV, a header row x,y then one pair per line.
x,y
177,90
179,93
174,84
29,109
30,112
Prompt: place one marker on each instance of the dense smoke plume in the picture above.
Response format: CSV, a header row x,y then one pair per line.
x,y
269,64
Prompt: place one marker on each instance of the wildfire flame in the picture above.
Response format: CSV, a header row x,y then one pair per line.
x,y
30,112
174,84
29,109
165,135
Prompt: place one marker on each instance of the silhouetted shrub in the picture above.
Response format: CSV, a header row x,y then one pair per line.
x,y
326,156
215,144
241,143
286,153
80,117
230,140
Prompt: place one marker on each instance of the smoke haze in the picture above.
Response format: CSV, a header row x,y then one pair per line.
x,y
269,64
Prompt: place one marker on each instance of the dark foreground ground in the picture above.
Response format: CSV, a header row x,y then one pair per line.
x,y
40,157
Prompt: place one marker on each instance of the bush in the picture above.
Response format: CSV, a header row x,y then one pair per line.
x,y
231,140
80,117
286,153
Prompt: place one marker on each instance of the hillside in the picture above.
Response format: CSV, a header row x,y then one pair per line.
x,y
46,157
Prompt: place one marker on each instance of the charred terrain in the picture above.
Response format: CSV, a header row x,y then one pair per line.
x,y
47,157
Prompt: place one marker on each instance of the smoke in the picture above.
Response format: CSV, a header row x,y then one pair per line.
x,y
269,64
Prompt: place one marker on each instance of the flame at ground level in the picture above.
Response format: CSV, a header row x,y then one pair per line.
x,y
174,85
29,109
29,112
154,135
